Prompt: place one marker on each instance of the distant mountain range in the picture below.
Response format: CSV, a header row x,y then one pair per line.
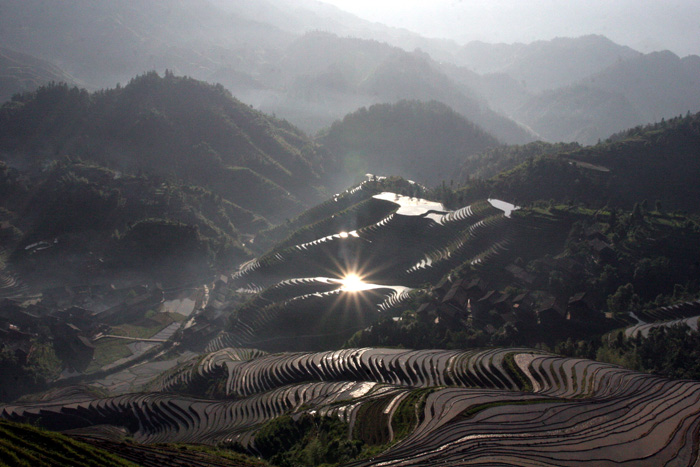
x,y
313,63
645,88
545,65
21,72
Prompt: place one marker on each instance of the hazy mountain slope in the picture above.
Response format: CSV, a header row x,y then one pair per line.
x,y
545,64
421,141
264,53
317,51
249,47
631,92
103,43
324,77
413,76
503,93
552,87
303,16
21,72
578,113
174,127
107,42
659,84
657,162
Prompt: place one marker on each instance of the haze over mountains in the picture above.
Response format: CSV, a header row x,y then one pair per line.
x,y
173,127
223,223
646,26
271,54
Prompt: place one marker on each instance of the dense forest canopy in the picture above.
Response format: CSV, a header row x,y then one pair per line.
x,y
425,142
175,127
654,162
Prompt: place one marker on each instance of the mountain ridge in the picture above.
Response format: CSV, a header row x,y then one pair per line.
x,y
173,126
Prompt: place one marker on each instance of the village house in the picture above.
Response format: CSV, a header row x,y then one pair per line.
x,y
523,307
581,308
457,298
594,232
475,288
426,312
603,251
520,275
441,288
551,312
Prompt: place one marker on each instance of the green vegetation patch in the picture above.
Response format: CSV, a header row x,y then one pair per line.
x,y
216,454
25,445
307,440
108,351
372,424
516,373
145,328
41,367
409,413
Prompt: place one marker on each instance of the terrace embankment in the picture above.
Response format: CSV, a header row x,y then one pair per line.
x,y
300,298
495,406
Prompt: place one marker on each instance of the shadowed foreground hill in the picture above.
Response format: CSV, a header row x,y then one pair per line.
x,y
172,126
25,445
76,221
386,406
416,140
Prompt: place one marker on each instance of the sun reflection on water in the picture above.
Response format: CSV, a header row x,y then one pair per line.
x,y
354,283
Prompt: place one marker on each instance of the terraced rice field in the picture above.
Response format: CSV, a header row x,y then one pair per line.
x,y
485,407
415,243
430,407
10,286
644,328
679,310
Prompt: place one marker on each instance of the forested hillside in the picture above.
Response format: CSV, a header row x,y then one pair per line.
x,y
655,162
90,222
425,142
175,127
486,164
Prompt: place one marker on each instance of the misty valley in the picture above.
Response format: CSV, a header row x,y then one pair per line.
x,y
277,234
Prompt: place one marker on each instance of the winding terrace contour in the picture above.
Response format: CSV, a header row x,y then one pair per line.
x,y
486,407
